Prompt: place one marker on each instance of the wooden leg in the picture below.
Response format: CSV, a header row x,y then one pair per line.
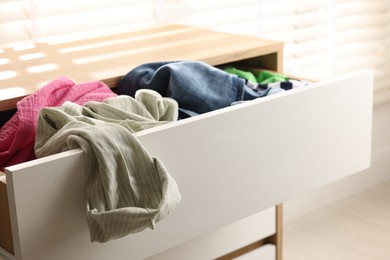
x,y
275,239
278,237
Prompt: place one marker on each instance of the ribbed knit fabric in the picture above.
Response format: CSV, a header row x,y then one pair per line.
x,y
127,189
18,134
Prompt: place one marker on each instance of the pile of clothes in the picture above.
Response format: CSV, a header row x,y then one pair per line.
x,y
127,189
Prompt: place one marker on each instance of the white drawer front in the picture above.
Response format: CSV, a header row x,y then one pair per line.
x,y
225,239
229,164
266,252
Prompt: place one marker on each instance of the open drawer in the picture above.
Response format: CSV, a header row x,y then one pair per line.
x,y
229,164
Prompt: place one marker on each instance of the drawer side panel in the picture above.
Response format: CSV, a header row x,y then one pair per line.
x,y
5,221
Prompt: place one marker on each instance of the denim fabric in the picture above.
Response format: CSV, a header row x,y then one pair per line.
x,y
196,86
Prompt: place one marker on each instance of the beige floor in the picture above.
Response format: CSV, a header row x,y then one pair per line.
x,y
354,228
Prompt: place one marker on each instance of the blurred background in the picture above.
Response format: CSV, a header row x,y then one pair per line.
x,y
323,38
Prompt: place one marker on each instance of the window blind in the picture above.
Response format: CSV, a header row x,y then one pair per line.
x,y
322,38
360,40
13,22
44,20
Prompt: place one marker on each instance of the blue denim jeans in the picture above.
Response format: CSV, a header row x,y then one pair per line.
x,y
196,86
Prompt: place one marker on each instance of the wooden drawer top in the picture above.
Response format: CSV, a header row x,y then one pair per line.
x,y
107,58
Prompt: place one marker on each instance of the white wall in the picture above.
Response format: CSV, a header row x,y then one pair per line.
x,y
379,172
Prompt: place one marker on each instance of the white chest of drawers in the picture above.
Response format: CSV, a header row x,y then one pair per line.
x,y
229,164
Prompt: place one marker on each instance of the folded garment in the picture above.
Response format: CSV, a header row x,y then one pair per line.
x,y
196,86
262,81
289,84
127,189
18,134
260,77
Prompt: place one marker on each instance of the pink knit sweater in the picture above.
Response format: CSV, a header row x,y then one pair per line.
x,y
17,136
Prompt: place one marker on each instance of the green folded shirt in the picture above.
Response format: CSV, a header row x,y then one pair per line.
x,y
261,77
